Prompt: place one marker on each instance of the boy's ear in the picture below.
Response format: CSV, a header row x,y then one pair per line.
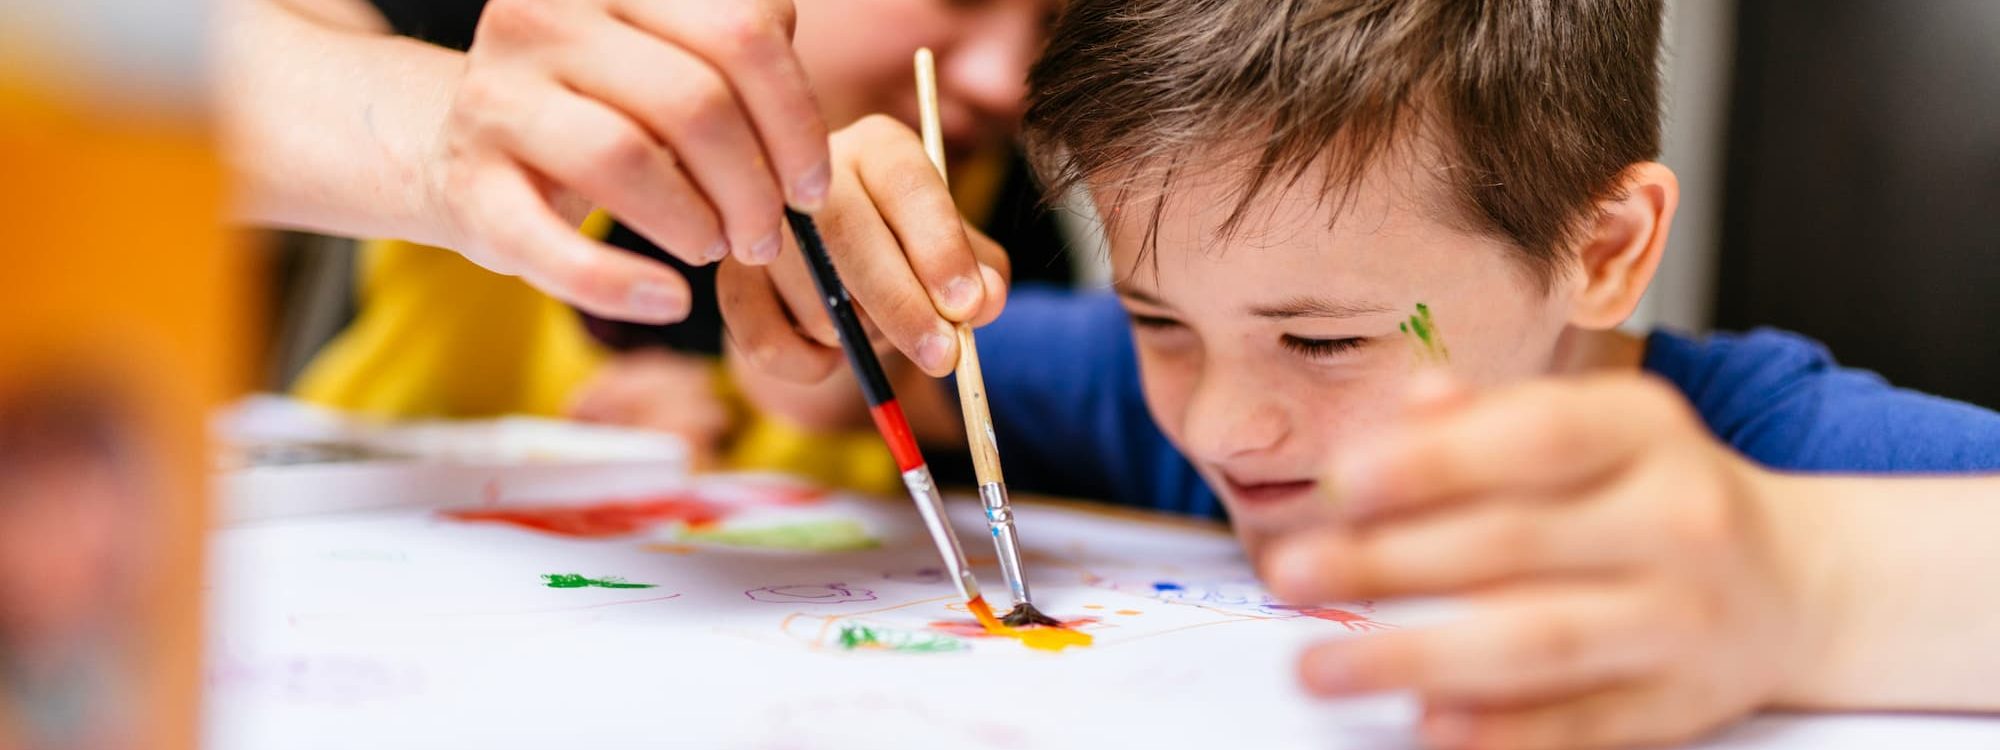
x,y
1621,246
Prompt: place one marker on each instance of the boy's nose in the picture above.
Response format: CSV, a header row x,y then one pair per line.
x,y
1229,415
987,71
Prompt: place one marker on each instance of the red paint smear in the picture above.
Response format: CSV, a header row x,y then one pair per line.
x,y
895,430
785,495
606,519
973,629
1351,620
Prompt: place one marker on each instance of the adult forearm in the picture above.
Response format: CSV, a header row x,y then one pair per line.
x,y
1903,590
330,127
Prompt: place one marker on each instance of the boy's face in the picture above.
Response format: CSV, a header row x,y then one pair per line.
x,y
1265,353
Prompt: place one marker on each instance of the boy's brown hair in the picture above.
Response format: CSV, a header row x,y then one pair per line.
x,y
1536,105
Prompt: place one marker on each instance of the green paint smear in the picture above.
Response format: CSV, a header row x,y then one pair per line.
x,y
838,535
574,581
863,637
1424,331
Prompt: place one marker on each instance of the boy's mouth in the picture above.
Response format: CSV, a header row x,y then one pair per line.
x,y
1262,492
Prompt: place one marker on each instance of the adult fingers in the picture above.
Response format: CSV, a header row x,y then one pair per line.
x,y
519,233
750,44
608,158
690,107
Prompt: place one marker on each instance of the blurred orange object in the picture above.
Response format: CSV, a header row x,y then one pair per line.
x,y
121,322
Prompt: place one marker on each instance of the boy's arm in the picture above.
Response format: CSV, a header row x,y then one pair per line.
x,y
1901,583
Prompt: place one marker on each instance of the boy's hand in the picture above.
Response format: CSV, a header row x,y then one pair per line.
x,y
1623,582
905,254
692,122
663,391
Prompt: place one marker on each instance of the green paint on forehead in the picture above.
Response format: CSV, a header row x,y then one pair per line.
x,y
1422,330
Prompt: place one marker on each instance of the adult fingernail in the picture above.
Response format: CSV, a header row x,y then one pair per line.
x,y
961,293
934,352
810,192
658,301
766,250
718,251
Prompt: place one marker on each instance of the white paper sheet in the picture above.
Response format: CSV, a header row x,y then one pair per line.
x,y
405,629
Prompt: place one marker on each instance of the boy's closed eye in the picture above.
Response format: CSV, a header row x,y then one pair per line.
x,y
1312,348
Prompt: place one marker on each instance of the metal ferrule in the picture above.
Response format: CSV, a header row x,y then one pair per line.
x,y
930,505
1000,520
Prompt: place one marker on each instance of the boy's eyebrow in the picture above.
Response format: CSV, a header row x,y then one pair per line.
x,y
1316,307
1140,296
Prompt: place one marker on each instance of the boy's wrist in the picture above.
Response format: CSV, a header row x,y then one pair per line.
x,y
1807,533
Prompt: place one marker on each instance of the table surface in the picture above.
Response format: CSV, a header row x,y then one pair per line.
x,y
387,627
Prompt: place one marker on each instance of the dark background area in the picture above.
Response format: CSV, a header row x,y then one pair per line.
x,y
1861,203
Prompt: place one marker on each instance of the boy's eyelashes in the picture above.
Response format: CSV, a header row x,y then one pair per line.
x,y
1309,348
1321,348
1152,321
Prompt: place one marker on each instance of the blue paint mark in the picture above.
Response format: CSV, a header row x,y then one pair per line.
x,y
1165,586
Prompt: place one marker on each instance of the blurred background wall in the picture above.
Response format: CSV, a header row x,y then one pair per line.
x,y
1862,194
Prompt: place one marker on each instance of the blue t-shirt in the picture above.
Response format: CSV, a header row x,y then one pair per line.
x,y
1063,383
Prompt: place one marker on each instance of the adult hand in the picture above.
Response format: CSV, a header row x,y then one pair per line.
x,y
692,122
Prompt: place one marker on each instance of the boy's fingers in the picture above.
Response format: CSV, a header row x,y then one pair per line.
x,y
1451,551
916,205
599,153
1525,643
759,330
750,43
528,239
1539,436
1637,715
995,271
793,280
876,273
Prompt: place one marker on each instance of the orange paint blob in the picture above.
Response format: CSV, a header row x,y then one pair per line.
x,y
1039,638
1129,612
1093,606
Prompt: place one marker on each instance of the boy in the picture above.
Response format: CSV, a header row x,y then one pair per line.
x,y
1373,255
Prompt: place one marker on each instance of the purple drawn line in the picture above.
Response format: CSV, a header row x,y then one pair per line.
x,y
836,593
